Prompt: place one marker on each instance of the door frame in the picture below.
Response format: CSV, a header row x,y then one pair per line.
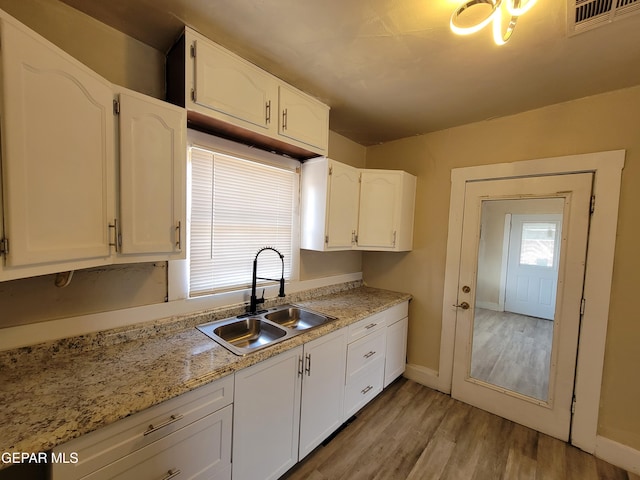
x,y
607,169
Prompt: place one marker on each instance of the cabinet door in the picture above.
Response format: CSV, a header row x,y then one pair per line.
x,y
322,389
342,209
396,357
201,450
379,199
58,159
303,119
152,176
227,84
266,417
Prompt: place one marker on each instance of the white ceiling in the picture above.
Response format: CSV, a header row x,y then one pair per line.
x,y
391,69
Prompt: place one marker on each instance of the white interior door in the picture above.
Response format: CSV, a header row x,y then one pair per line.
x,y
532,267
550,412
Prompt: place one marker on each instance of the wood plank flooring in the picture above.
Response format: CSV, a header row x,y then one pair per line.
x,y
412,432
512,351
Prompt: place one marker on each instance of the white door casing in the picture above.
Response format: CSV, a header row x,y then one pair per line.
x,y
607,169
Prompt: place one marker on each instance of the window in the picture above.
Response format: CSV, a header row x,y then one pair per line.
x,y
237,206
538,244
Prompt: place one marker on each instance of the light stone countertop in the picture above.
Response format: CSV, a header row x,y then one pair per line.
x,y
54,392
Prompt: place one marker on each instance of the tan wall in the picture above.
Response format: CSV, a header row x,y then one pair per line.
x,y
604,122
114,55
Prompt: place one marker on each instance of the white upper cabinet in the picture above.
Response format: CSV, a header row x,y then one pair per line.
x,y
387,203
225,94
152,177
57,156
329,199
303,120
345,208
227,87
63,206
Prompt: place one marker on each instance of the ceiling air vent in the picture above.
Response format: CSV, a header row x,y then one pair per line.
x,y
584,15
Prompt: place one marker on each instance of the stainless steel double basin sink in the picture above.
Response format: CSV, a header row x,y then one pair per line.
x,y
248,333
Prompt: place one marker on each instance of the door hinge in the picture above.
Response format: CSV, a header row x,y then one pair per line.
x,y
116,107
582,304
330,170
592,206
326,239
573,405
193,94
4,246
193,50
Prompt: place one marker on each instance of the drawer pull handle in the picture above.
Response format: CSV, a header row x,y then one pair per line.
x,y
371,325
370,354
172,474
172,419
367,390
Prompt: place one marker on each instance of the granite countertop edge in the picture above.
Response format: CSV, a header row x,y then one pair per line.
x,y
59,391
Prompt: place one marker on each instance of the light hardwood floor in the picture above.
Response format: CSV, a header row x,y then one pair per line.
x,y
512,351
412,432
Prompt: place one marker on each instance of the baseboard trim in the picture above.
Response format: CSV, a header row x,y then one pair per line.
x,y
489,306
618,454
426,376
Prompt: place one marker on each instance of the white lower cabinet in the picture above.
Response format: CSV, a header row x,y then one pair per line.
x,y
322,389
279,410
188,437
396,351
286,405
267,417
365,362
198,451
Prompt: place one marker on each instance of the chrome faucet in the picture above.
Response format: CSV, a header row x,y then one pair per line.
x,y
255,301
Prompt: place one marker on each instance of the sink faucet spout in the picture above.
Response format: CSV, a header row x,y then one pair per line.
x,y
255,301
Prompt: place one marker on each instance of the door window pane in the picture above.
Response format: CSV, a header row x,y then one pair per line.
x,y
538,244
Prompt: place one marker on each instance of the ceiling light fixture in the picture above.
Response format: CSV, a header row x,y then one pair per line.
x,y
498,8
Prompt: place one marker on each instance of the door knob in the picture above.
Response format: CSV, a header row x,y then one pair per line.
x,y
463,305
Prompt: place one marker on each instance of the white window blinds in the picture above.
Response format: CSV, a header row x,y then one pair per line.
x,y
237,207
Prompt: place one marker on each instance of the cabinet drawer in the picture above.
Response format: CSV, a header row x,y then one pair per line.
x,y
366,325
201,450
363,387
364,352
110,443
397,312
